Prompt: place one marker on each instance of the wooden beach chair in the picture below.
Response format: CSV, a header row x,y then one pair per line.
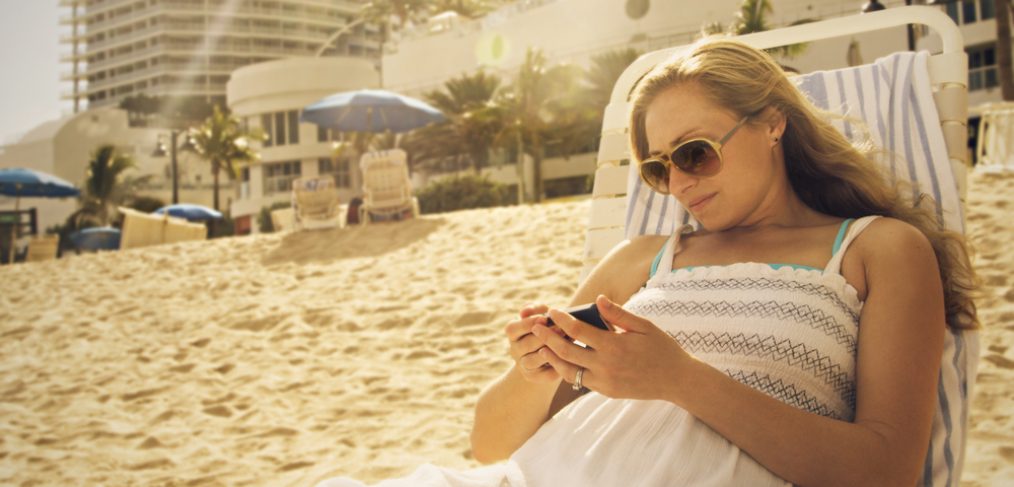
x,y
387,189
915,105
44,247
315,203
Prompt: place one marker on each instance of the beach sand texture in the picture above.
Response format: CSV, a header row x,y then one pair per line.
x,y
285,359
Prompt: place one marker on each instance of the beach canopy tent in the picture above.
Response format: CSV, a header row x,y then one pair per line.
x,y
29,183
914,105
96,238
374,111
189,212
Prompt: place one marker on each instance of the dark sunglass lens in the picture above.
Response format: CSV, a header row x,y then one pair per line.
x,y
696,157
655,174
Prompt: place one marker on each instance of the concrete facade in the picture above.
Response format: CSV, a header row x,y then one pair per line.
x,y
257,94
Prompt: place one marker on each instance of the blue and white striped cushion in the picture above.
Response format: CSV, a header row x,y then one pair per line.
x,y
893,98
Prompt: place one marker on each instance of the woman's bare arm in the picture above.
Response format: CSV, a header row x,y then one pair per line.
x,y
512,408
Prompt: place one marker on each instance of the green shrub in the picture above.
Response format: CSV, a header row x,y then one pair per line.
x,y
462,192
264,217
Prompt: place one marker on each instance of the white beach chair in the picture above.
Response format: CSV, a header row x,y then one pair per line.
x,y
914,105
995,146
387,189
143,229
315,203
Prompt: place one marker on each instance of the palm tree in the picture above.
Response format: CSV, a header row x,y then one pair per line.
x,y
752,17
472,124
102,185
222,142
532,110
605,69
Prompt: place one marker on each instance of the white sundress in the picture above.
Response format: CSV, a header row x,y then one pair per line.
x,y
788,332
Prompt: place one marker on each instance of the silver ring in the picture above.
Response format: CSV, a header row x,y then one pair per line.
x,y
577,379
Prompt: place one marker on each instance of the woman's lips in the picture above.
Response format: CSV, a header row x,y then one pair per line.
x,y
699,203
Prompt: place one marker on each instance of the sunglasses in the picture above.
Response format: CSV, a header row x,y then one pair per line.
x,y
698,157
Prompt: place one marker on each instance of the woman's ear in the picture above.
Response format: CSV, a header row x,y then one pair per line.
x,y
774,121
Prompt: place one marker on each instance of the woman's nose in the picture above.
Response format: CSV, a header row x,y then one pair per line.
x,y
680,181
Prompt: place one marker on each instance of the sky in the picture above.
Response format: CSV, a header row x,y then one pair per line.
x,y
30,52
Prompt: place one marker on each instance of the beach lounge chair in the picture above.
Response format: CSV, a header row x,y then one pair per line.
x,y
995,146
143,229
915,105
315,203
44,247
387,189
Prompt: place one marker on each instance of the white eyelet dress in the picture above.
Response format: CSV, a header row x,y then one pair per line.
x,y
790,333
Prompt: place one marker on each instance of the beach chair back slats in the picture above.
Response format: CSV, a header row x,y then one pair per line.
x,y
387,188
315,203
610,180
614,147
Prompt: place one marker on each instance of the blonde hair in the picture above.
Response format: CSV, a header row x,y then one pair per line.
x,y
827,172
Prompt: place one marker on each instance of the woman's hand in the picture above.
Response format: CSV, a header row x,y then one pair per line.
x,y
524,346
637,361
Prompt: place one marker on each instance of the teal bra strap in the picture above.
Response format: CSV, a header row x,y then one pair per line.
x,y
841,235
658,258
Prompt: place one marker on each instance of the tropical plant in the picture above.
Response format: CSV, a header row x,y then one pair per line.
x,y
534,110
222,142
102,190
470,129
603,72
752,17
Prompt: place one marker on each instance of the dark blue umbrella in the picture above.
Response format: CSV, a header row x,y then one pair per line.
x,y
189,211
19,182
96,238
370,111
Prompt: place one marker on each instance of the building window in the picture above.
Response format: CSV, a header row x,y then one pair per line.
x,y
278,176
338,169
969,11
282,128
982,70
986,10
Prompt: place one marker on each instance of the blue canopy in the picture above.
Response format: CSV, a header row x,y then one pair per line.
x,y
370,111
96,238
21,182
189,211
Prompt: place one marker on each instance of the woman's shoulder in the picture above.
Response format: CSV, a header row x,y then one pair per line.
x,y
891,242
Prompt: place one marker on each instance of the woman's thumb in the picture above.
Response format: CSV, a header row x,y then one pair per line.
x,y
615,315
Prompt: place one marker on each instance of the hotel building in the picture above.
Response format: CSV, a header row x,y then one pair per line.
x,y
188,48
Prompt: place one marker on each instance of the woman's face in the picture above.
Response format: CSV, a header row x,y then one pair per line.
x,y
729,197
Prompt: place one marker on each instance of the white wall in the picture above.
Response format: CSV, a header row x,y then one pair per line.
x,y
291,84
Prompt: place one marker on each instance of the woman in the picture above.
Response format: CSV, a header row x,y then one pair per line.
x,y
795,338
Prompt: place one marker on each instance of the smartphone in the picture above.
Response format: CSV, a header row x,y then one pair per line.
x,y
588,313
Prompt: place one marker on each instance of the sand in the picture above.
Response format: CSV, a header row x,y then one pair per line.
x,y
288,358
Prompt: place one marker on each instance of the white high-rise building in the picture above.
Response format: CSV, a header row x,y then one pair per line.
x,y
188,48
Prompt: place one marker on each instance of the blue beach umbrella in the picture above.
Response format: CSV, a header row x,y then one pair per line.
x,y
370,111
20,182
189,211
